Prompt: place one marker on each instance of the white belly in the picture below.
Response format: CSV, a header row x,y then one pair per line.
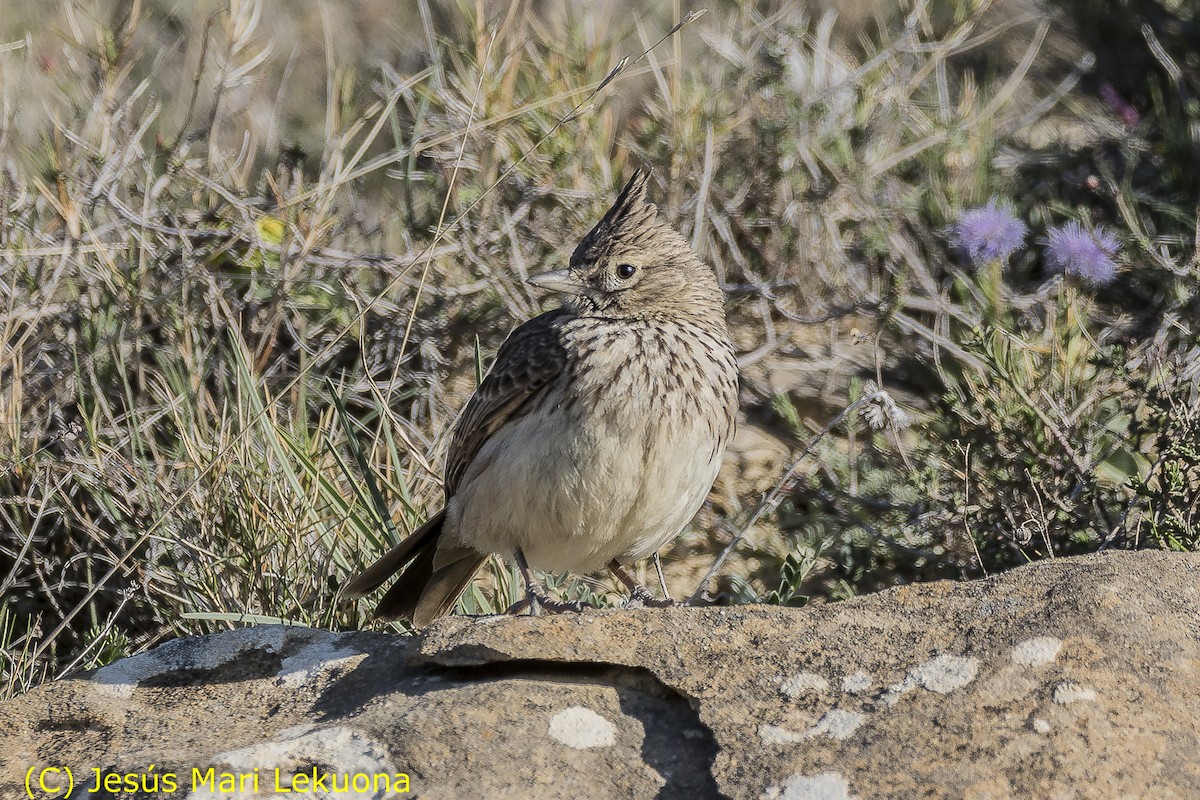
x,y
573,502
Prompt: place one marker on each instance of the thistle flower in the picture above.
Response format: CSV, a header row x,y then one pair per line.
x,y
989,233
1087,255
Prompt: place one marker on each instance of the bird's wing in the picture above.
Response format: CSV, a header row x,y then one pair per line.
x,y
528,362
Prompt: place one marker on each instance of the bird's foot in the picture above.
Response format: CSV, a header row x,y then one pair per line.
x,y
519,606
537,601
641,597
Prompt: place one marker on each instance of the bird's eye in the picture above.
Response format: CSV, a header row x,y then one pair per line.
x,y
626,271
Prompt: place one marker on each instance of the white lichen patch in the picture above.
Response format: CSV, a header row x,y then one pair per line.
x,y
773,734
315,661
837,724
1037,651
582,728
898,690
825,786
943,674
1069,692
803,682
856,683
204,653
360,768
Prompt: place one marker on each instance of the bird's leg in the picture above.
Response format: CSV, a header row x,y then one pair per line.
x,y
662,580
536,598
638,595
530,600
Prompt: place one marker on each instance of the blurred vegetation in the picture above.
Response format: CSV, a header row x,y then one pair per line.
x,y
255,253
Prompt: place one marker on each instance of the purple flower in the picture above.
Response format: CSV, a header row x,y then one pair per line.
x,y
989,233
1119,105
1085,254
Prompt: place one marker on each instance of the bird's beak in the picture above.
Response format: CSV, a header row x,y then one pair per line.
x,y
559,280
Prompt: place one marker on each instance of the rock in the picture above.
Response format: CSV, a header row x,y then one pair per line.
x,y
1071,678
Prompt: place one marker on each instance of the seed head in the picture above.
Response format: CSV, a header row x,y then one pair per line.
x,y
881,411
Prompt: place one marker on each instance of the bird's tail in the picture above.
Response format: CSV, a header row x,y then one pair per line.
x,y
434,575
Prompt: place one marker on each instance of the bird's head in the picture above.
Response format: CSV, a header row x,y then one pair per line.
x,y
631,264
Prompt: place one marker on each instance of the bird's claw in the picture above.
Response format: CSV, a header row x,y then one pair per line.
x,y
641,597
537,602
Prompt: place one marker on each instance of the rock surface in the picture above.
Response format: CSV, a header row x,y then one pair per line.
x,y
1077,678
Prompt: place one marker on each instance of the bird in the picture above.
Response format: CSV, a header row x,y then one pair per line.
x,y
596,434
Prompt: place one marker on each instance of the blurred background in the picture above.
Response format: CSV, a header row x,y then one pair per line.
x,y
255,256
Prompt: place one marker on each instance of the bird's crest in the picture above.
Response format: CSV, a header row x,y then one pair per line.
x,y
629,210
631,199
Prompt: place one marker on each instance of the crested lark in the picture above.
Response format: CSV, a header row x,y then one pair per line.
x,y
596,434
